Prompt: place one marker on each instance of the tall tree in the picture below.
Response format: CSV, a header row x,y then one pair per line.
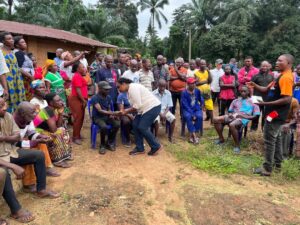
x,y
155,7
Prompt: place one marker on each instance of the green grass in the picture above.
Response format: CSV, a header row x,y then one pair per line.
x,y
212,158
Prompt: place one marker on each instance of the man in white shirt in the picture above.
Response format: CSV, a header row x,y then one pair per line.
x,y
146,77
191,71
215,86
82,60
132,74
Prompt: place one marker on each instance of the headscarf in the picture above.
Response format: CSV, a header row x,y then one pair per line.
x,y
36,83
48,63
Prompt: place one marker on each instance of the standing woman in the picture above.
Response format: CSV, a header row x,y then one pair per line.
x,y
14,77
78,99
148,108
25,64
54,82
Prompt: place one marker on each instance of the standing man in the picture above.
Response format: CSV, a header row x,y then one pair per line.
x,y
247,72
277,107
146,75
177,81
215,77
97,63
191,71
263,78
203,78
58,59
110,75
132,74
121,66
159,71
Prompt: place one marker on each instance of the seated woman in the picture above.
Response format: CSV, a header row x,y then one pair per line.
x,y
39,92
126,121
49,121
240,112
191,106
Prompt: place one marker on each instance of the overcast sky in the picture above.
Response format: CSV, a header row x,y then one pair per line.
x,y
145,16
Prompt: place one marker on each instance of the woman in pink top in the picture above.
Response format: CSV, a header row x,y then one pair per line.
x,y
78,99
227,85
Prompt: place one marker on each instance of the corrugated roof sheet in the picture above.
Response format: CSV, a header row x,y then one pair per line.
x,y
40,31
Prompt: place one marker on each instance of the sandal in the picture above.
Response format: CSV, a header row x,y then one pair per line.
x,y
47,194
218,142
3,222
62,164
51,172
23,216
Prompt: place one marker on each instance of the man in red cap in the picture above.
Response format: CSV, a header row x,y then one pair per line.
x,y
191,105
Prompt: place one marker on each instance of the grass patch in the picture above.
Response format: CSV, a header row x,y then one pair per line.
x,y
222,160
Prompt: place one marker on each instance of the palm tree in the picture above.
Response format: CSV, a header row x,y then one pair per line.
x,y
8,3
155,7
241,12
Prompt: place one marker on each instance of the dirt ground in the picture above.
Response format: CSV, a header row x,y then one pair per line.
x,y
118,189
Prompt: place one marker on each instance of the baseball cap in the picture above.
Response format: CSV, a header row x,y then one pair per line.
x,y
104,85
191,80
219,61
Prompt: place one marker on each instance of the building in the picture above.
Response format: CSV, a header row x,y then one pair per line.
x,y
43,41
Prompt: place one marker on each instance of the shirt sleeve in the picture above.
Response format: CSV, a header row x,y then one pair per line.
x,y
256,110
231,107
20,58
120,99
3,67
170,102
286,86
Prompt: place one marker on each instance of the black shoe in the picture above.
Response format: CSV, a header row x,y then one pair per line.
x,y
136,152
154,152
102,150
111,147
262,172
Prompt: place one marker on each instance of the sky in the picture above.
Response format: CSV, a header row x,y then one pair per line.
x,y
144,17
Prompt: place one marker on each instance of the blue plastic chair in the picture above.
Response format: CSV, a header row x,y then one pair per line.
x,y
94,127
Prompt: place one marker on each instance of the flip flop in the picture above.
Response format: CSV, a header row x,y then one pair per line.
x,y
218,142
26,217
48,194
52,173
62,164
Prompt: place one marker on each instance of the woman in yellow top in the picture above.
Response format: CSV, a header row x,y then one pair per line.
x,y
203,84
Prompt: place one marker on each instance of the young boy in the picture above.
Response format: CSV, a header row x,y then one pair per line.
x,y
240,112
103,115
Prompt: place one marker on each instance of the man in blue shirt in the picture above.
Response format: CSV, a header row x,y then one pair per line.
x,y
103,115
165,98
110,75
57,59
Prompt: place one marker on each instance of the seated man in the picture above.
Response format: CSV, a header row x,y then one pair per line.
x,y
240,112
165,98
103,115
191,106
12,158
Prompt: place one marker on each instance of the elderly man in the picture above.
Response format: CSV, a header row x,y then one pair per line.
x,y
58,59
165,98
216,74
12,157
177,81
159,71
132,74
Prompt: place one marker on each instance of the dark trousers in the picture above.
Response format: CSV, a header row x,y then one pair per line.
x,y
26,157
175,96
10,196
215,96
126,126
255,121
273,145
103,123
225,104
141,127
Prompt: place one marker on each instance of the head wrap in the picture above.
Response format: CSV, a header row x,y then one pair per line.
x,y
48,63
36,83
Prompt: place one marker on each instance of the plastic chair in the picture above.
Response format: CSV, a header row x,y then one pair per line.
x,y
94,127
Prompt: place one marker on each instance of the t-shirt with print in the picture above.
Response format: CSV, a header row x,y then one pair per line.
x,y
104,102
133,76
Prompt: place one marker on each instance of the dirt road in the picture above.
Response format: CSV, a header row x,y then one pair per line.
x,y
119,189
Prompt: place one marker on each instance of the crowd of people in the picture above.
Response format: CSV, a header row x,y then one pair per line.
x,y
38,104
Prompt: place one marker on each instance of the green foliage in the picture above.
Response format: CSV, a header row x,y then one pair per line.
x,y
291,169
